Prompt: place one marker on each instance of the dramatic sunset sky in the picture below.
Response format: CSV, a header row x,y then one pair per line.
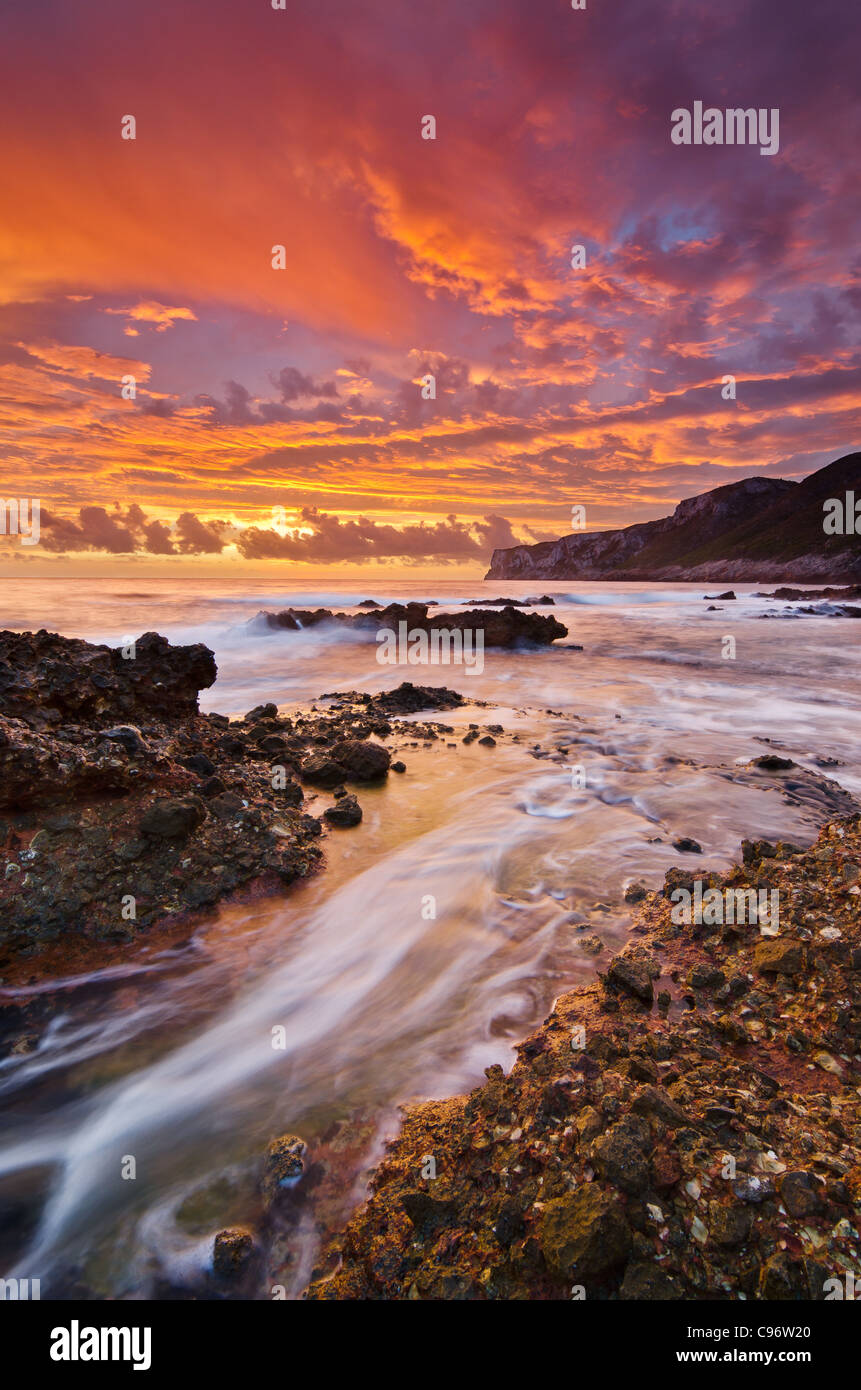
x,y
298,389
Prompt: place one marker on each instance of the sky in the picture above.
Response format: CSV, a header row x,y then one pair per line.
x,y
279,423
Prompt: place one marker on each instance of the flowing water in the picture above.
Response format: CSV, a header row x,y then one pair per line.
x,y
441,928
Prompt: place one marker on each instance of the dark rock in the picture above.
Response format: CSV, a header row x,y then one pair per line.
x,y
800,1193
631,975
409,699
199,763
544,601
426,1213
399,766
753,1189
706,977
651,1100
770,762
361,761
291,793
783,1278
321,770
621,1154
128,737
232,1251
729,1225
584,1235
509,1223
346,813
502,627
173,818
233,745
283,1167
38,768
753,851
259,712
47,678
273,745
685,845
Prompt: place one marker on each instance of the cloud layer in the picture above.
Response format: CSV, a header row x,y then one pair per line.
x,y
302,388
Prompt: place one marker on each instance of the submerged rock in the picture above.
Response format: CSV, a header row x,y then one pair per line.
x,y
345,813
231,1252
350,761
505,627
409,699
283,1167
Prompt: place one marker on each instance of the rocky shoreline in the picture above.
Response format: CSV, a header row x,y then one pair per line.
x,y
689,1127
124,810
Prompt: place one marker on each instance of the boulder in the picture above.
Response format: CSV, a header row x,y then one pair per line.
x,y
259,712
361,761
283,1167
321,770
174,818
231,1251
199,763
584,1235
633,976
345,813
128,737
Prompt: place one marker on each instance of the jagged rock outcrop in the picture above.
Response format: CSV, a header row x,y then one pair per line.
x,y
181,812
46,679
757,530
504,627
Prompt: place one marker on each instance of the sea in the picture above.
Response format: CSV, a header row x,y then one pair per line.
x,y
439,932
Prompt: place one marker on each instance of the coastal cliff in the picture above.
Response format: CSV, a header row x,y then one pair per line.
x,y
760,530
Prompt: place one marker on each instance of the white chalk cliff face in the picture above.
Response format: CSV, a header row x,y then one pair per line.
x,y
760,529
